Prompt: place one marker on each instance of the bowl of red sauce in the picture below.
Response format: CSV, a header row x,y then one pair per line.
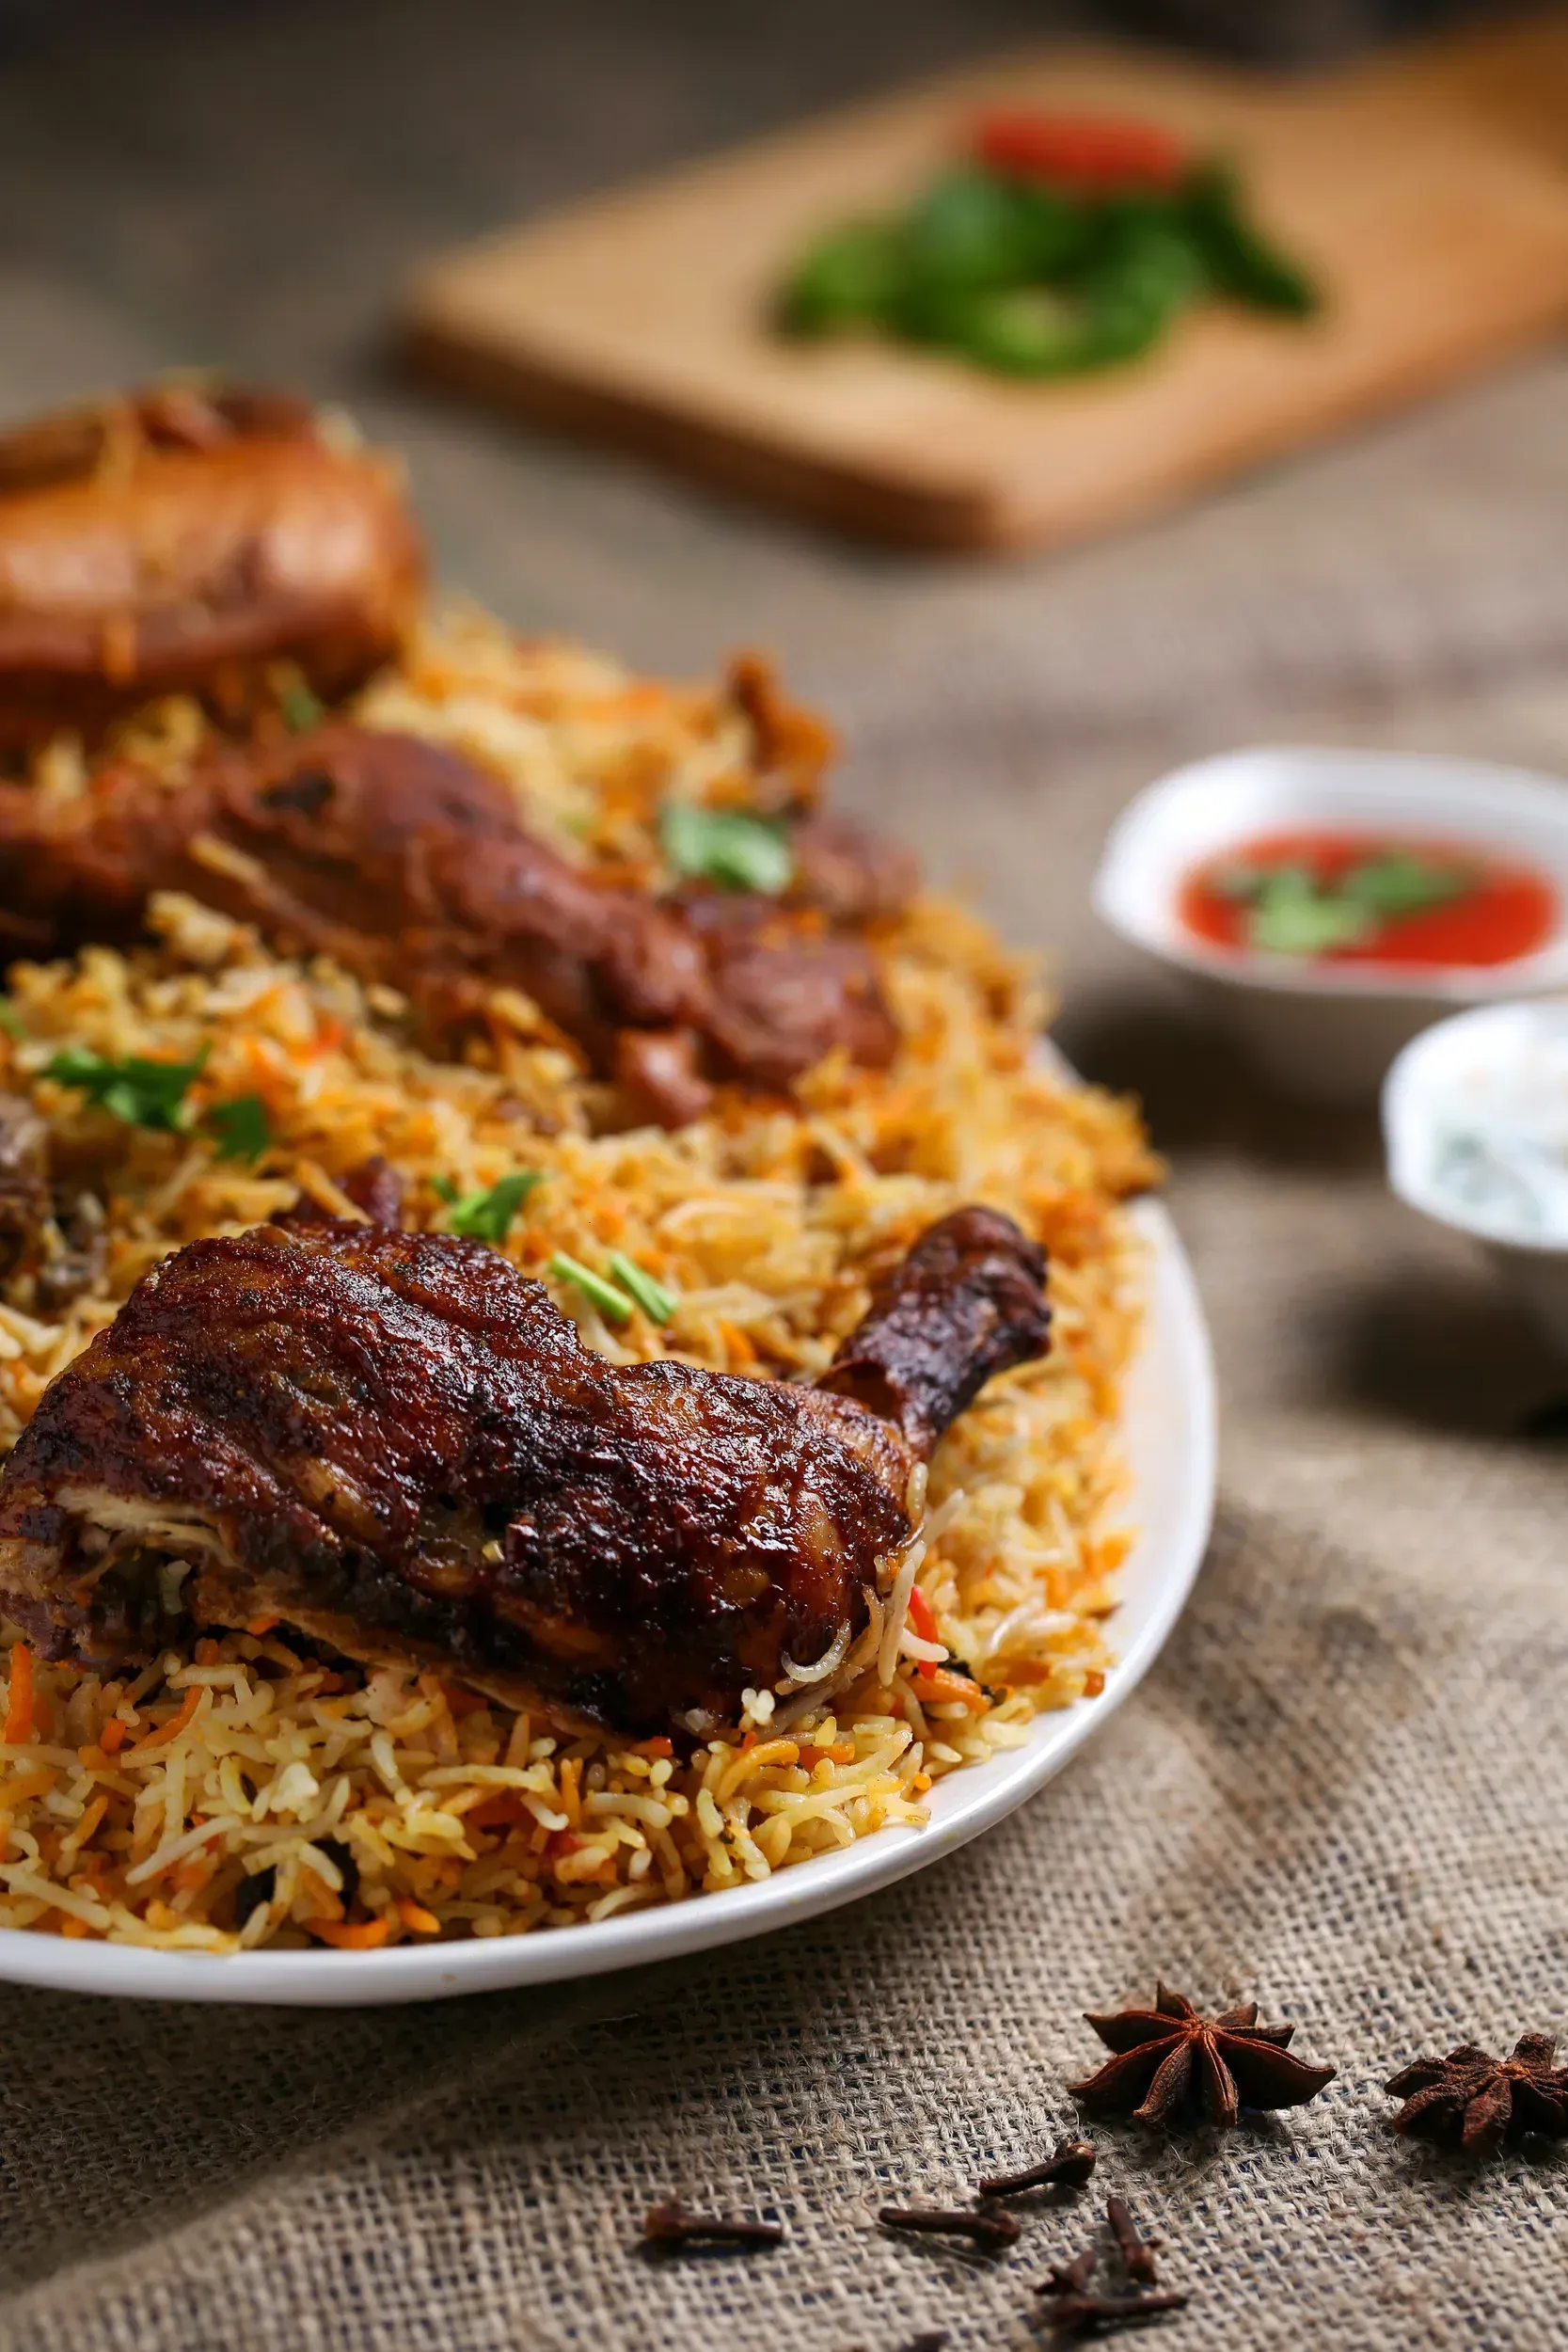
x,y
1329,904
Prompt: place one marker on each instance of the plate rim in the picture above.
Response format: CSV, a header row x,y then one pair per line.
x,y
1176,1343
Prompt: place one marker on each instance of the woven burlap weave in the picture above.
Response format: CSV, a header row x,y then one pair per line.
x,y
1344,1789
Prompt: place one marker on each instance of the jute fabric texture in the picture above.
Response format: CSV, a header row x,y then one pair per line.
x,y
1343,1790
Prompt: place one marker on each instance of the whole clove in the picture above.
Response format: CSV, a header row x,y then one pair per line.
x,y
1068,2167
1084,2308
1137,2252
990,2230
1073,2302
1070,2278
670,2223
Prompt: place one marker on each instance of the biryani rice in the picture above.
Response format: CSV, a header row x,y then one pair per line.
x,y
137,1809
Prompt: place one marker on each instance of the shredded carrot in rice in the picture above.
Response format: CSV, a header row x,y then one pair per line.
x,y
241,1793
172,1730
367,1936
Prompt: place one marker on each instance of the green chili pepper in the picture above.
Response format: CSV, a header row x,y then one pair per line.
x,y
1242,262
973,230
849,278
1025,330
1031,278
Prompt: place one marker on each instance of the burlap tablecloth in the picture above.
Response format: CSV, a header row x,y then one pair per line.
x,y
1344,1789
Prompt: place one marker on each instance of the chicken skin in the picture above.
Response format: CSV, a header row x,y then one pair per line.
x,y
398,1445
181,539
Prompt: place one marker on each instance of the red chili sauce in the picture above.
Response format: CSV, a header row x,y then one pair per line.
x,y
1494,910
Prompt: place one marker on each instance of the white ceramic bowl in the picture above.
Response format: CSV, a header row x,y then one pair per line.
x,y
1320,1028
1475,1116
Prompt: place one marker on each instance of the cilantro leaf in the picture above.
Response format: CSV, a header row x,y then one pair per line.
x,y
486,1215
1238,879
1293,912
240,1128
141,1093
1290,916
726,846
1400,881
301,709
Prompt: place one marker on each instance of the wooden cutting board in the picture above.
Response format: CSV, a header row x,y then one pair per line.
x,y
1438,227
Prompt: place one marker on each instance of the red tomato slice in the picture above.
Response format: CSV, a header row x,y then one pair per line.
x,y
1082,150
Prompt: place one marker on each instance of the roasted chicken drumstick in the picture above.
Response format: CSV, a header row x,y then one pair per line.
x,y
398,1445
181,539
409,864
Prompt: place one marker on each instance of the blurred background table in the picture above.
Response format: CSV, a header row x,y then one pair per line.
x,y
1343,1788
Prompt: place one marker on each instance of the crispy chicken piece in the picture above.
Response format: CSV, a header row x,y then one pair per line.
x,y
848,873
398,1444
408,865
183,538
947,1318
792,746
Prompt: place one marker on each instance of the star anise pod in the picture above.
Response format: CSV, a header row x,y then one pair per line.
x,y
1173,2065
1480,2100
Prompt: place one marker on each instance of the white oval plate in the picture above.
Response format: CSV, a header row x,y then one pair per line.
x,y
1171,1440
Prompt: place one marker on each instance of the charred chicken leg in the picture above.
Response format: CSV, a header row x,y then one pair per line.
x,y
408,865
397,1444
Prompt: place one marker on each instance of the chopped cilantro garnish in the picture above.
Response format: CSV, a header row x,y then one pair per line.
x,y
1292,916
11,1020
725,846
612,1303
1245,883
301,709
240,1127
656,1303
1399,881
486,1215
143,1093
1292,911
